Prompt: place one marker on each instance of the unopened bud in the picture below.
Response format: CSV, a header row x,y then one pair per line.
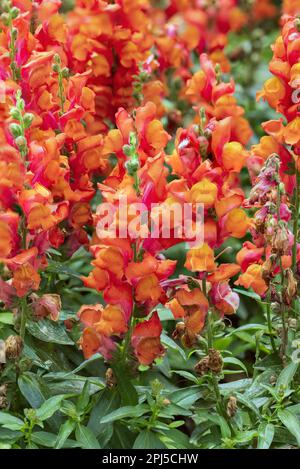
x,y
57,59
127,149
21,141
65,72
15,130
15,113
14,34
14,12
28,118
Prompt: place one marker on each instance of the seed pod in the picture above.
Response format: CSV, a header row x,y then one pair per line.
x,y
231,406
13,346
202,367
291,287
3,402
110,378
179,330
215,360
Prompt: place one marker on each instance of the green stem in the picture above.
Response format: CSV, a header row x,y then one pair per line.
x,y
284,328
296,214
269,322
24,311
210,344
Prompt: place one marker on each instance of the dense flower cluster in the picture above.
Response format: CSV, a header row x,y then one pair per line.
x,y
83,101
273,161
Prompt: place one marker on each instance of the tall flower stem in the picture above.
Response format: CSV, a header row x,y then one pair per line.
x,y
210,344
269,323
24,313
296,214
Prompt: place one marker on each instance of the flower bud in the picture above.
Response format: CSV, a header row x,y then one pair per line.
x,y
5,19
133,139
127,149
14,34
57,59
132,166
21,141
28,118
15,130
14,12
15,113
65,72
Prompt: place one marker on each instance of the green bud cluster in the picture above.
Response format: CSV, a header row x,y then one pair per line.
x,y
62,72
10,13
24,121
139,80
132,164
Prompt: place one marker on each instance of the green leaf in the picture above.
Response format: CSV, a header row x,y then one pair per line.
x,y
265,435
30,388
148,440
291,422
108,401
64,432
247,327
49,439
235,361
86,437
175,439
60,268
248,403
84,397
49,407
49,331
84,364
7,318
171,344
123,412
125,387
286,376
187,375
9,421
185,397
251,294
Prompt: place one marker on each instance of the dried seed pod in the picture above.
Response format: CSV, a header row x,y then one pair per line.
x,y
291,286
3,389
13,346
3,402
280,241
231,406
110,378
166,402
188,339
215,360
179,330
202,367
